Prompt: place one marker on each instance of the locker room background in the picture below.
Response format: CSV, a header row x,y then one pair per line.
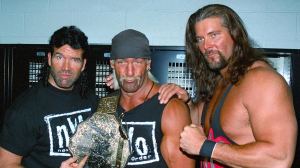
x,y
21,63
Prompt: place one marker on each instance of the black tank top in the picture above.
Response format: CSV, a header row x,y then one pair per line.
x,y
217,129
216,132
143,124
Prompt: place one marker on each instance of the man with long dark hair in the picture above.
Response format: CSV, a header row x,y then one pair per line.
x,y
38,125
249,118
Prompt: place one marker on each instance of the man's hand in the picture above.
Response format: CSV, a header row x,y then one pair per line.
x,y
109,81
71,163
168,90
192,138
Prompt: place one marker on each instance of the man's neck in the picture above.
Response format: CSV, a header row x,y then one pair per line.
x,y
52,82
224,72
131,100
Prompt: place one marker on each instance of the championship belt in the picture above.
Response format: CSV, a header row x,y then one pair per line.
x,y
102,138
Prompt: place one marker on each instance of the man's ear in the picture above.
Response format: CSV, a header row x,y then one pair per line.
x,y
84,63
148,64
49,58
112,64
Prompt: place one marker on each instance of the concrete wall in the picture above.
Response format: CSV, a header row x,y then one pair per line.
x,y
270,23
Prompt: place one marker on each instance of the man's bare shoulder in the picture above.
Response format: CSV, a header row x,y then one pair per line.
x,y
261,97
175,115
261,74
261,81
176,105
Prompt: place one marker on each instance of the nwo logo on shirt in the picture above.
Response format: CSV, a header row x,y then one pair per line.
x,y
61,127
142,142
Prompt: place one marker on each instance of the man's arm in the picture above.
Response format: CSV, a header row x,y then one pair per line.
x,y
9,160
167,91
175,117
268,103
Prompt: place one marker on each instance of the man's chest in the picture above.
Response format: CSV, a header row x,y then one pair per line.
x,y
227,111
56,129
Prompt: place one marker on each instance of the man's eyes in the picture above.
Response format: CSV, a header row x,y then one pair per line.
x,y
77,60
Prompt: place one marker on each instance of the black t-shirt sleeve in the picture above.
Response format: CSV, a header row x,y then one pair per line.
x,y
18,134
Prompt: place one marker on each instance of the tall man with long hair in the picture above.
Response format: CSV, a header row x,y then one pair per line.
x,y
38,125
243,111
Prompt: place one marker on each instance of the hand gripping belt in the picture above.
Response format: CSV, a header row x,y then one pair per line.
x,y
101,138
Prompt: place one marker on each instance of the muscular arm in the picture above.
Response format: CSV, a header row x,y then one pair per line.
x,y
268,102
167,91
9,160
175,117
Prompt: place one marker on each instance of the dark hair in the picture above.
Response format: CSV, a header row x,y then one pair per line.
x,y
75,38
243,54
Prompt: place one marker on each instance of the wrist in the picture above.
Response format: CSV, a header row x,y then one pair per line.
x,y
189,99
207,148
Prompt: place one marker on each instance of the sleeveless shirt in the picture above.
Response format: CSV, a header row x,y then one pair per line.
x,y
143,126
216,132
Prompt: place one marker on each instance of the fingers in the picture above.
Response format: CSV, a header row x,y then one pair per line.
x,y
191,132
193,126
191,139
109,81
68,163
190,128
82,162
184,142
71,163
168,90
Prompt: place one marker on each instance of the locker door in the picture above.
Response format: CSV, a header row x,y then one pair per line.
x,y
296,96
168,66
21,66
6,60
100,68
29,62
